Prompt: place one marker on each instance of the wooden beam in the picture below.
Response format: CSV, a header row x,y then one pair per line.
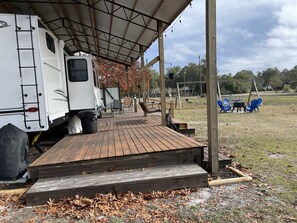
x,y
211,71
10,192
162,72
152,62
238,172
229,181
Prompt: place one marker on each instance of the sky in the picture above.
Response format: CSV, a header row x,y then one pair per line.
x,y
251,35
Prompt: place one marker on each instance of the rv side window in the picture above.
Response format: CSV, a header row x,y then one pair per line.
x,y
50,43
77,70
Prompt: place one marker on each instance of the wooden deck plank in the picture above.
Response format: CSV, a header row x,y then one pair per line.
x,y
177,141
187,140
88,144
105,144
181,139
50,153
138,144
92,147
124,144
144,140
156,138
132,146
72,152
60,152
99,142
111,143
117,143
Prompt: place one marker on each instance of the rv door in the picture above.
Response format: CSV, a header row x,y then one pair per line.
x,y
80,83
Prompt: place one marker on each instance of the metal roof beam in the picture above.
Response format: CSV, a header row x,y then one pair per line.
x,y
135,11
85,50
101,56
124,8
73,2
93,19
113,14
127,27
103,32
65,14
110,26
106,49
80,19
118,45
155,12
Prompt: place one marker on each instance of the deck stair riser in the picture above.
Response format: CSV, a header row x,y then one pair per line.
x,y
138,180
193,155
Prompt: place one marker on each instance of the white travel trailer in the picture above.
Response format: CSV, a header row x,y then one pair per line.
x,y
40,85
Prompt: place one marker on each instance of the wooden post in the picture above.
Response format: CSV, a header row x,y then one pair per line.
x,y
135,104
133,75
211,70
256,89
142,72
172,109
162,72
143,77
178,93
127,80
219,91
249,98
133,82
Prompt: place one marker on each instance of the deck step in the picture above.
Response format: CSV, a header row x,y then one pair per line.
x,y
136,180
180,124
183,127
188,131
223,160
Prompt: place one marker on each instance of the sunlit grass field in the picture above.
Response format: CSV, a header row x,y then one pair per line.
x,y
263,142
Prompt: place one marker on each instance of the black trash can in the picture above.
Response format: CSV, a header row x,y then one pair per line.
x,y
88,121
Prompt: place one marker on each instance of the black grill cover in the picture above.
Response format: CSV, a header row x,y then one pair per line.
x,y
14,147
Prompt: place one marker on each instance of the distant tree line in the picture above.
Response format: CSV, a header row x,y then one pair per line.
x,y
269,79
112,74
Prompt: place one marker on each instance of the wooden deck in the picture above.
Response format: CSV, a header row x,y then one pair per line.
x,y
126,141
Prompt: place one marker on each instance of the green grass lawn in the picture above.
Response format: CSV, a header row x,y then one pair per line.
x,y
264,142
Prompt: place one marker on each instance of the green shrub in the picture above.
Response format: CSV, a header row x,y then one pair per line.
x,y
286,89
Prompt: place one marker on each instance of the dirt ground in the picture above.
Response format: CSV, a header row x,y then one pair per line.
x,y
262,144
232,203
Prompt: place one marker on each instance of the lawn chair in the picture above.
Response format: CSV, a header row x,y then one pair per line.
x,y
127,102
227,103
259,100
222,107
253,106
117,106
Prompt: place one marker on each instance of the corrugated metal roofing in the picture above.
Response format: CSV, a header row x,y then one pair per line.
x,y
112,29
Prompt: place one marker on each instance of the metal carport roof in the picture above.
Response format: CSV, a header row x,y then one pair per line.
x,y
116,30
